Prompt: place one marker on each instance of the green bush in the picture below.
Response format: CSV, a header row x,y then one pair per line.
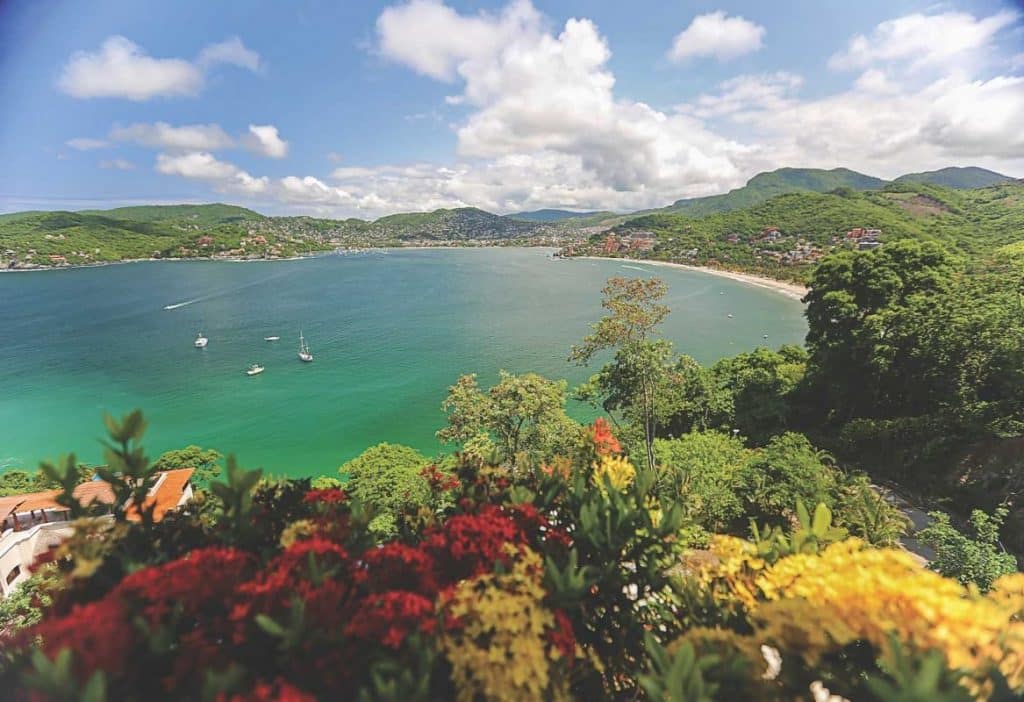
x,y
979,560
387,477
704,472
788,469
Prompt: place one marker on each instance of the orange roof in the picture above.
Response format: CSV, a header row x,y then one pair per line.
x,y
168,494
166,498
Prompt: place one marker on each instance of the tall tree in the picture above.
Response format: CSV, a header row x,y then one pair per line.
x,y
631,380
521,414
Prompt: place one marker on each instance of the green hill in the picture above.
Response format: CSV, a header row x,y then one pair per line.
x,y
974,222
765,186
455,224
960,178
201,215
549,215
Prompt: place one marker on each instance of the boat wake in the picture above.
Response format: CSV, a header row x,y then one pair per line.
x,y
636,268
182,304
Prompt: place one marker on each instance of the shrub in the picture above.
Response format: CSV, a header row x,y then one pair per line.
x,y
788,469
979,560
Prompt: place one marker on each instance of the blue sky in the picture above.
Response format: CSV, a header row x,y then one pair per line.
x,y
362,109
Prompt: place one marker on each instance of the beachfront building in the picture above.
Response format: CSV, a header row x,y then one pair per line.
x,y
31,524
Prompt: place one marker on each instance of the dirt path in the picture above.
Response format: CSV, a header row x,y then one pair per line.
x,y
918,520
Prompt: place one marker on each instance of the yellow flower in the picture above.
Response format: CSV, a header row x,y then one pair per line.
x,y
616,470
500,649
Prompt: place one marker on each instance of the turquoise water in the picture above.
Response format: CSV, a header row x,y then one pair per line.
x,y
390,333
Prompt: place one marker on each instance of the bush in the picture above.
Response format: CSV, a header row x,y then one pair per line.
x,y
705,472
788,469
387,478
979,560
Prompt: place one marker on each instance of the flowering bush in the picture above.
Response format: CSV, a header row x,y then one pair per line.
x,y
569,580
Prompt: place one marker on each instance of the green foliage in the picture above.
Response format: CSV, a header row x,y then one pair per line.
x,y
809,535
17,482
705,473
923,678
761,384
958,178
387,478
521,414
787,471
325,482
677,677
204,461
24,606
977,558
236,497
868,515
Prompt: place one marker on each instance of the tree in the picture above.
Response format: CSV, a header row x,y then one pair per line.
x,y
788,469
631,381
204,461
17,482
979,560
705,473
387,477
760,385
862,353
522,413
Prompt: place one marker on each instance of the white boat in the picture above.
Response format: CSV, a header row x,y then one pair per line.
x,y
271,338
729,316
304,352
255,369
201,341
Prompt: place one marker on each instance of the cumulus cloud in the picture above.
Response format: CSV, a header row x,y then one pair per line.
x,y
543,125
87,143
265,141
923,40
200,165
716,34
187,137
123,69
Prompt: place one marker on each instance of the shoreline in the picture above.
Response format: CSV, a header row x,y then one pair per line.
x,y
793,291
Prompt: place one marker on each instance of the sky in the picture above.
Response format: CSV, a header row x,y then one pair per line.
x,y
360,109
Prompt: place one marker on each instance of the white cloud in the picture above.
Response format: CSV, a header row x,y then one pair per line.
x,y
87,143
543,126
433,39
200,165
230,51
923,40
716,34
264,140
769,91
118,163
123,69
161,135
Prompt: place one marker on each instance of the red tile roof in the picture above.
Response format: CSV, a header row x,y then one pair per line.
x,y
167,496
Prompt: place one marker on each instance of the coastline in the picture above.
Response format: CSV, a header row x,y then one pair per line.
x,y
794,291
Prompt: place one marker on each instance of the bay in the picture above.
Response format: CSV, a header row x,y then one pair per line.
x,y
389,332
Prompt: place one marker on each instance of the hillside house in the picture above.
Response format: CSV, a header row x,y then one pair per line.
x,y
30,524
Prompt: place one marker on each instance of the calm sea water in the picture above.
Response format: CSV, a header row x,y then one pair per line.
x,y
390,333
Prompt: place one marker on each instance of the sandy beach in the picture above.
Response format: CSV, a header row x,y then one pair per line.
x,y
793,290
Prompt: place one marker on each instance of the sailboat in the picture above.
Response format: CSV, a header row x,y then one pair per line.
x,y
304,353
201,341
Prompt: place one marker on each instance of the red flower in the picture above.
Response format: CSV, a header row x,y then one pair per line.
x,y
277,691
604,441
389,617
326,496
439,480
470,544
204,576
562,637
99,634
396,566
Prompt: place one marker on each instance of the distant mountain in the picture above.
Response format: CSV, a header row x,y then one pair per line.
x,y
203,215
455,224
960,178
765,186
554,215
